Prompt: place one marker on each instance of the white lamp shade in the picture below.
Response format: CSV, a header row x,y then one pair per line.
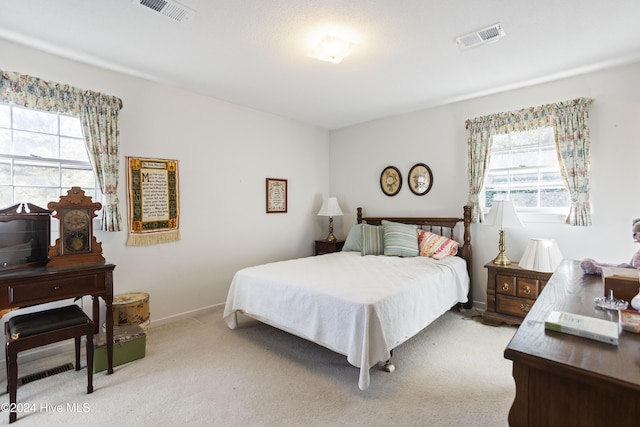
x,y
503,214
330,207
541,255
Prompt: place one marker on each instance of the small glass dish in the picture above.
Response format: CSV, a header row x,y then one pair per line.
x,y
611,303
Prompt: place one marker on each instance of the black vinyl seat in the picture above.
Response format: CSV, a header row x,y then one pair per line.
x,y
31,330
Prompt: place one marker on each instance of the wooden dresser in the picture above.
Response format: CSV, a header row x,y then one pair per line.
x,y
564,380
511,292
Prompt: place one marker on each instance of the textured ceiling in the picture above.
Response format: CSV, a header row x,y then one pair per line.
x,y
254,52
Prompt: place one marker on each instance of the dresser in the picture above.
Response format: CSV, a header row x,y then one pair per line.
x,y
31,286
565,380
511,292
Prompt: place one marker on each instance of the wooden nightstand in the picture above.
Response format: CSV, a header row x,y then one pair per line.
x,y
511,292
326,247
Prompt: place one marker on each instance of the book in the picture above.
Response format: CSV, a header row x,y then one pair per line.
x,y
583,326
629,320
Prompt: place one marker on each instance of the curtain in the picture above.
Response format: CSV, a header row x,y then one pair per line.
x,y
570,120
99,116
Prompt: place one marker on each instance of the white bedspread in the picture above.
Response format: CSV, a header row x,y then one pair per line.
x,y
359,306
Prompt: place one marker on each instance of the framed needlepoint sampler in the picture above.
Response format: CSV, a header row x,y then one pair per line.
x,y
276,195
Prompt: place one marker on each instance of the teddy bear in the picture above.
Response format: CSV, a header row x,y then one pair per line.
x,y
590,266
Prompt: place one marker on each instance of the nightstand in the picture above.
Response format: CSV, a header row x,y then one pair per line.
x,y
511,292
326,247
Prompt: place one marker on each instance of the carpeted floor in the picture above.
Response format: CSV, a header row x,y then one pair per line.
x,y
199,372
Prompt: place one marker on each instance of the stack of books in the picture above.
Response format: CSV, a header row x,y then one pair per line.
x,y
583,326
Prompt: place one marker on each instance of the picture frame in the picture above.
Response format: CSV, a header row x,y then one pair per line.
x,y
390,181
276,195
420,179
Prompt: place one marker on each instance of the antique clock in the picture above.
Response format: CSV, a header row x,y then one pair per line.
x,y
76,244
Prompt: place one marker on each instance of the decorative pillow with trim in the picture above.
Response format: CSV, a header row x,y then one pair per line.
x,y
353,243
436,246
400,239
372,239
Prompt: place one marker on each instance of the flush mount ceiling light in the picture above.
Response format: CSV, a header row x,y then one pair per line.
x,y
332,49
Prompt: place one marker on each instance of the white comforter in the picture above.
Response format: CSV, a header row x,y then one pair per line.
x,y
359,306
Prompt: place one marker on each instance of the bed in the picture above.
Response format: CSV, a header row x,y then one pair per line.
x,y
360,304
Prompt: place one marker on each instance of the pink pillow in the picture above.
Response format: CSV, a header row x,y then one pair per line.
x,y
436,246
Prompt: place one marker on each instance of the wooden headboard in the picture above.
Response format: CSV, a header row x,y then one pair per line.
x,y
440,225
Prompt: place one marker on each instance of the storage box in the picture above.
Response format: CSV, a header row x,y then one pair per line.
x,y
623,281
131,309
129,344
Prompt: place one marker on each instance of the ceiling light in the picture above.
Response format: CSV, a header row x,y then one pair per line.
x,y
332,49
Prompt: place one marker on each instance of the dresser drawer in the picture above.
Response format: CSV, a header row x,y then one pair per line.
x,y
505,285
30,293
528,288
513,306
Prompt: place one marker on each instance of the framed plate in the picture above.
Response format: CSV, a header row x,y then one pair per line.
x,y
420,179
390,181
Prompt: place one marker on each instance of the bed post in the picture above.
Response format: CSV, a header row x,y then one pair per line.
x,y
466,252
359,215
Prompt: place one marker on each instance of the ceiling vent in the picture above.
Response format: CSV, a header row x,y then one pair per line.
x,y
485,35
170,9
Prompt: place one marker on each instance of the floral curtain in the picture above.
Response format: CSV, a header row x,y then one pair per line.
x,y
99,116
569,118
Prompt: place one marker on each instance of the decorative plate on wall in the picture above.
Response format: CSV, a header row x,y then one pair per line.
x,y
420,179
390,181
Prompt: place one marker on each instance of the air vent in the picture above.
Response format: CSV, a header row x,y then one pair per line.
x,y
485,35
44,374
170,9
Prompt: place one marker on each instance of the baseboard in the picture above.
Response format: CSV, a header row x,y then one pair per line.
x,y
182,316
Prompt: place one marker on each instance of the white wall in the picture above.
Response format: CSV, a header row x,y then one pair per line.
x,y
438,138
225,152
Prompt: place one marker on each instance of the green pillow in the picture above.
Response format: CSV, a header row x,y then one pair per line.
x,y
354,239
400,239
372,240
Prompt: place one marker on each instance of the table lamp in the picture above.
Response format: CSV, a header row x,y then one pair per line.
x,y
330,208
503,214
541,255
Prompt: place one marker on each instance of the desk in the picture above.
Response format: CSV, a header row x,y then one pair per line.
x,y
564,380
31,286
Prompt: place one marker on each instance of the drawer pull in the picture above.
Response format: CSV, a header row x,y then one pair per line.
x,y
505,286
56,288
525,307
527,290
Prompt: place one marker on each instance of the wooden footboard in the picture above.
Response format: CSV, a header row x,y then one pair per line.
x,y
440,225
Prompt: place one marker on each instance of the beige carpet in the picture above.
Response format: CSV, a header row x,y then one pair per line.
x,y
199,372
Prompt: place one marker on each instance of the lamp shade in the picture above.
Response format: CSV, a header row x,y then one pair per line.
x,y
330,207
541,255
503,214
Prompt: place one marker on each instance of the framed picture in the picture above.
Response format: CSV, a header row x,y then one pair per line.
x,y
420,179
390,180
276,195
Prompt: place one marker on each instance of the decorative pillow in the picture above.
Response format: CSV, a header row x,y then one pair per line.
x,y
372,239
354,239
400,239
436,246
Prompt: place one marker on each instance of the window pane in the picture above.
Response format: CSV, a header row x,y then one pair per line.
x,y
77,178
525,178
525,198
5,116
526,157
36,175
5,141
554,198
34,120
5,173
39,196
70,126
73,149
6,197
500,160
500,142
36,144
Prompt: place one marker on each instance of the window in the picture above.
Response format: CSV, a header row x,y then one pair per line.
x,y
524,167
42,155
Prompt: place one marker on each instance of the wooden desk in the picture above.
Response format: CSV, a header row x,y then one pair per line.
x,y
31,286
564,380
